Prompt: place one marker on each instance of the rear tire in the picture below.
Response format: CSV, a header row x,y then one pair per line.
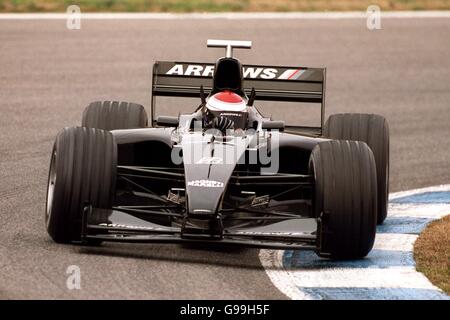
x,y
113,115
345,198
373,130
82,170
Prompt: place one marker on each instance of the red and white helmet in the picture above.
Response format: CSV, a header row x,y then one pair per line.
x,y
226,110
226,101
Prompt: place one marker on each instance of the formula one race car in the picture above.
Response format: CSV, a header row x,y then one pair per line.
x,y
224,173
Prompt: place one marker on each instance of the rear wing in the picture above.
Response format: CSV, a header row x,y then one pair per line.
x,y
271,83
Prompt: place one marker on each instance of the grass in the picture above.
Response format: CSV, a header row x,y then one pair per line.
x,y
432,253
217,5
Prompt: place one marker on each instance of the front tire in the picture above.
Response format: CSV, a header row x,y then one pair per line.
x,y
345,198
82,170
374,130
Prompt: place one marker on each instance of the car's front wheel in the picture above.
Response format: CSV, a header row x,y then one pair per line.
x,y
82,170
345,198
374,130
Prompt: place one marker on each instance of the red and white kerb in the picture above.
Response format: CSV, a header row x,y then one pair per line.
x,y
226,101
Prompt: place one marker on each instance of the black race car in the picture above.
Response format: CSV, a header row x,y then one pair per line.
x,y
223,173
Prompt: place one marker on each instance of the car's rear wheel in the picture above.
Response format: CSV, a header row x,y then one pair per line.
x,y
345,198
374,130
82,170
113,115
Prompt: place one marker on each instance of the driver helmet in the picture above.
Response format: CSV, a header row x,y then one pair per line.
x,y
227,110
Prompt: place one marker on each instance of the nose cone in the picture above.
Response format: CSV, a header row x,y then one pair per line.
x,y
208,165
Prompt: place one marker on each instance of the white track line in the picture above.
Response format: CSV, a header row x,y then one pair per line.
x,y
401,194
226,15
388,272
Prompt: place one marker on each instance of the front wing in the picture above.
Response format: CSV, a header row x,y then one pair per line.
x,y
129,224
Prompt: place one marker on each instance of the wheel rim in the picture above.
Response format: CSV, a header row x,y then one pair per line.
x,y
50,189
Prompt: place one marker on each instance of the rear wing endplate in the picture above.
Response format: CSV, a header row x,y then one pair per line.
x,y
271,83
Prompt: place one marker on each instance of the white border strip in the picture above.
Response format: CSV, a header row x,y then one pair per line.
x,y
347,276
226,15
401,194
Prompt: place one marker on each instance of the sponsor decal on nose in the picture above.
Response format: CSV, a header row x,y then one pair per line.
x,y
206,184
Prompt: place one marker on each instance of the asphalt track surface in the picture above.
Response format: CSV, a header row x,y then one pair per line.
x,y
48,74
